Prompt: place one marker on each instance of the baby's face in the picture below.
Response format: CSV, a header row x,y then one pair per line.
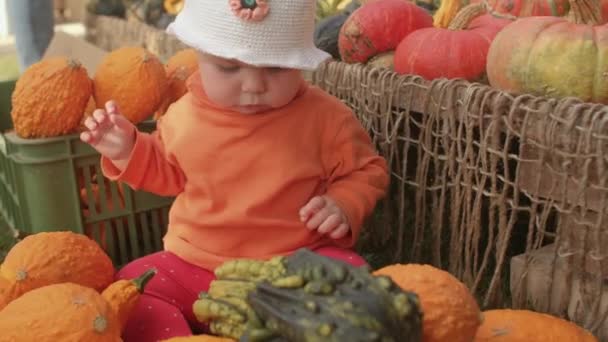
x,y
245,88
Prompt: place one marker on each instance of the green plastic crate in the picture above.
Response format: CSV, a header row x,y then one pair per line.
x,y
56,184
6,90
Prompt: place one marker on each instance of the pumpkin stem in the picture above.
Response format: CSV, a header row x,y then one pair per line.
x,y
585,12
464,17
141,281
446,12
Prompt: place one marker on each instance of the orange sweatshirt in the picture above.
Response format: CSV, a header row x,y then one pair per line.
x,y
240,180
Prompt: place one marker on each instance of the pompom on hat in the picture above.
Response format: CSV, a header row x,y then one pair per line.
x,y
265,33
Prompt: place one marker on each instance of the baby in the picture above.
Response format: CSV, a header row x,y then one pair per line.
x,y
260,162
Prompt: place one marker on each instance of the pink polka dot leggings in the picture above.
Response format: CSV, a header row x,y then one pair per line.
x,y
165,308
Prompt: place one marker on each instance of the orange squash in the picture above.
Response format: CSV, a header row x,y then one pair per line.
x,y
71,312
458,51
450,312
134,78
123,295
528,326
179,67
50,98
53,257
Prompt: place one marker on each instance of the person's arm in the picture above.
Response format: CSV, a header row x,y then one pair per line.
x,y
358,176
148,168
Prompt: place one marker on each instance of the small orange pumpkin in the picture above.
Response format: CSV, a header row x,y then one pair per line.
x,y
53,257
528,326
50,98
71,312
134,78
179,67
450,312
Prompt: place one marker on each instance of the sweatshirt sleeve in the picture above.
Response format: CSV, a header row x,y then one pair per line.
x,y
150,167
358,176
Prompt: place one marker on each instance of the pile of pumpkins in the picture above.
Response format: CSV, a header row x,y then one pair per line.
x,y
541,47
59,286
54,96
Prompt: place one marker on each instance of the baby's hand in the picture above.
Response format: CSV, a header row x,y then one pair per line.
x,y
323,214
110,133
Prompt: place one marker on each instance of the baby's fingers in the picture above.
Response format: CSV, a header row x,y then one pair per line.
x,y
121,123
340,232
101,117
112,107
90,137
313,206
90,123
86,137
330,224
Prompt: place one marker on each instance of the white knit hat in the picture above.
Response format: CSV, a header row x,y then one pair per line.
x,y
275,33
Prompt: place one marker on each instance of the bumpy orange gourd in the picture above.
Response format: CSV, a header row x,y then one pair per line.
x,y
553,56
200,338
71,312
528,326
50,258
50,97
134,78
450,312
179,67
123,295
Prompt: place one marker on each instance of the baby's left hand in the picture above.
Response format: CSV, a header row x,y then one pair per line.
x,y
323,214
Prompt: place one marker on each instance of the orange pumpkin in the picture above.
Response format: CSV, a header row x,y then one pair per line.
x,y
179,67
528,326
123,295
458,51
53,257
551,56
134,78
450,312
50,98
370,30
71,312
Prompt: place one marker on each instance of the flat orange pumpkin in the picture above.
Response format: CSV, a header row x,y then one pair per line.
x,y
528,326
53,257
134,78
178,69
71,312
450,312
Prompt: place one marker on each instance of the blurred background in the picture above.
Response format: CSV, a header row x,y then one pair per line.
x,y
33,21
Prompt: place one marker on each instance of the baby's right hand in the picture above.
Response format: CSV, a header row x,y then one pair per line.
x,y
110,133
